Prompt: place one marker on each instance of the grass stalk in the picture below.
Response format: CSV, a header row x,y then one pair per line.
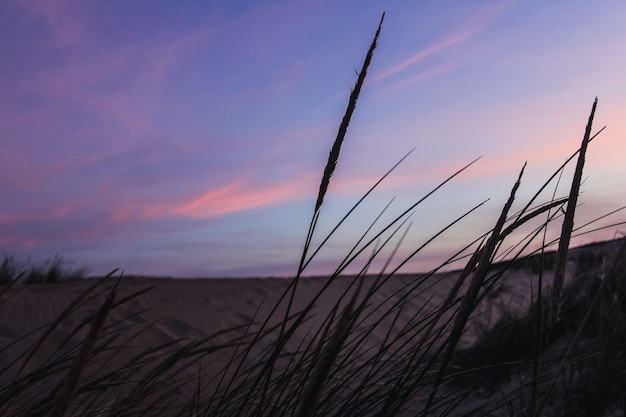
x,y
331,164
568,224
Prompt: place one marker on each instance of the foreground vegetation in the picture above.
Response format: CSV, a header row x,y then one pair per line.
x,y
564,357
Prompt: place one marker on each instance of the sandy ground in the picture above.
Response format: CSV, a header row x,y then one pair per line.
x,y
193,309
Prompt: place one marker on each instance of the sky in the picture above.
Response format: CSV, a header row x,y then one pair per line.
x,y
189,138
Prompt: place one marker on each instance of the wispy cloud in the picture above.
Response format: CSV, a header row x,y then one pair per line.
x,y
241,196
470,27
443,44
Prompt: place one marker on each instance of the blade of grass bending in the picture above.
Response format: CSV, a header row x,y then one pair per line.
x,y
394,251
364,234
568,225
554,241
526,240
468,301
378,247
524,219
402,215
610,213
608,226
494,279
435,236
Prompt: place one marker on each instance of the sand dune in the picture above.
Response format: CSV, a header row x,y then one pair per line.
x,y
184,310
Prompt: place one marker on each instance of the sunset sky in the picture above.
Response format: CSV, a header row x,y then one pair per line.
x,y
188,138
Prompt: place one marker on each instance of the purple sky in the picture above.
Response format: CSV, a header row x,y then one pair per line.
x,y
188,138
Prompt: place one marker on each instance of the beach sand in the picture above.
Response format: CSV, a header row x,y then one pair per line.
x,y
183,311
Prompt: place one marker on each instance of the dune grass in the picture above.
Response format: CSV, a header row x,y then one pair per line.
x,y
52,270
564,357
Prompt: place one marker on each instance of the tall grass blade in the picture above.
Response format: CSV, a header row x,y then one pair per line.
x,y
568,224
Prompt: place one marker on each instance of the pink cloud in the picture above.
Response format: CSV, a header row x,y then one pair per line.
x,y
48,213
238,196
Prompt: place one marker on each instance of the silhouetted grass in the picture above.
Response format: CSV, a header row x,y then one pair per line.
x,y
300,360
52,270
